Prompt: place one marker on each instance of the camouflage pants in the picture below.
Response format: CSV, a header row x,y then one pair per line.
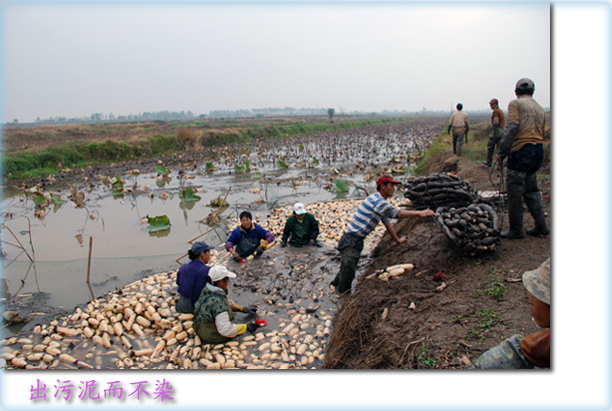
x,y
507,355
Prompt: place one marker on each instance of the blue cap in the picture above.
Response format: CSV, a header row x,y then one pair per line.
x,y
199,247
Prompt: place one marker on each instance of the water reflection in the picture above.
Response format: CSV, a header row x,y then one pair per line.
x,y
160,233
118,224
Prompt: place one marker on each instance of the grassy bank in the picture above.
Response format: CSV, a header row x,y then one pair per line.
x,y
66,153
475,150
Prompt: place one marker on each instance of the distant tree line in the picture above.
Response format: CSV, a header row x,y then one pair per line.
x,y
100,117
216,114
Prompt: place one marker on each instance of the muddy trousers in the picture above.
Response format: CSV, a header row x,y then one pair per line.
x,y
492,142
457,144
523,185
350,258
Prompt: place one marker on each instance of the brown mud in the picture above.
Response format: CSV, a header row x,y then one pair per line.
x,y
445,329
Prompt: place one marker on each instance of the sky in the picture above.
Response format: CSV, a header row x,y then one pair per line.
x,y
73,59
581,169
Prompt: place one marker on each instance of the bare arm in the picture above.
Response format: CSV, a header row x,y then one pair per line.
x,y
393,234
410,213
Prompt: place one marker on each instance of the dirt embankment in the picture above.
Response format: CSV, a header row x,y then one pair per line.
x,y
483,302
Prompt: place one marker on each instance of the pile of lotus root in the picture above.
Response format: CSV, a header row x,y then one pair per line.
x,y
439,190
473,229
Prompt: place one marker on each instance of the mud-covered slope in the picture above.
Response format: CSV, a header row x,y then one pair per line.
x,y
445,329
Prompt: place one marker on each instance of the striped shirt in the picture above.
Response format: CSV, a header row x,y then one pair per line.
x,y
372,210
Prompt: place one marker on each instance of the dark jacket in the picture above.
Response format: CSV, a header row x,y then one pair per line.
x,y
191,279
245,242
300,233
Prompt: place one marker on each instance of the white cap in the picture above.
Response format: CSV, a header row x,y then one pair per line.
x,y
219,272
299,208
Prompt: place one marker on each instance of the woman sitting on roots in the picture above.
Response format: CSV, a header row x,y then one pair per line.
x,y
193,276
214,313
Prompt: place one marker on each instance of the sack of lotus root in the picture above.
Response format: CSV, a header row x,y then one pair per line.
x,y
473,229
439,190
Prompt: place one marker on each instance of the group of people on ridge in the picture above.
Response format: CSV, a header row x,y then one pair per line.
x,y
203,290
520,140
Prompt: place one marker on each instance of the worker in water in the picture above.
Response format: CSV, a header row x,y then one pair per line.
x,y
248,238
302,228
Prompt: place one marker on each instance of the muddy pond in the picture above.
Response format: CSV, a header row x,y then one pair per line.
x,y
263,178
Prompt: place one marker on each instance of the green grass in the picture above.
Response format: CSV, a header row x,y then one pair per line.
x,y
32,163
487,319
474,335
493,288
424,358
475,150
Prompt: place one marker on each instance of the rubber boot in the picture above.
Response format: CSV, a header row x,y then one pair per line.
x,y
348,266
346,283
515,184
516,221
533,199
490,149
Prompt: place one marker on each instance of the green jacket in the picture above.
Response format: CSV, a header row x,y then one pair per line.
x,y
212,302
300,233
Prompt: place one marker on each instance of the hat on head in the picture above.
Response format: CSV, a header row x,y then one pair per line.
x,y
537,282
299,208
386,178
493,101
200,246
524,84
219,272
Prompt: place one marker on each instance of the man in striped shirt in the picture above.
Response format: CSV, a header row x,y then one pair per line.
x,y
372,210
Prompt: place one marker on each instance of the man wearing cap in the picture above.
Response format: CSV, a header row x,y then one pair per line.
x,y
214,313
193,276
532,350
372,210
301,228
498,122
522,144
459,124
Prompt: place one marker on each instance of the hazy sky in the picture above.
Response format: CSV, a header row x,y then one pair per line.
x,y
75,59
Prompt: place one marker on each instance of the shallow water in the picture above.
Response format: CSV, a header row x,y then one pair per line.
x,y
123,249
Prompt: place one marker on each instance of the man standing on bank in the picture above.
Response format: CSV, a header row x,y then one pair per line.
x,y
498,122
458,122
522,144
372,210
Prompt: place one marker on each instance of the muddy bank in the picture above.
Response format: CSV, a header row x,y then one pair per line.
x,y
414,321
